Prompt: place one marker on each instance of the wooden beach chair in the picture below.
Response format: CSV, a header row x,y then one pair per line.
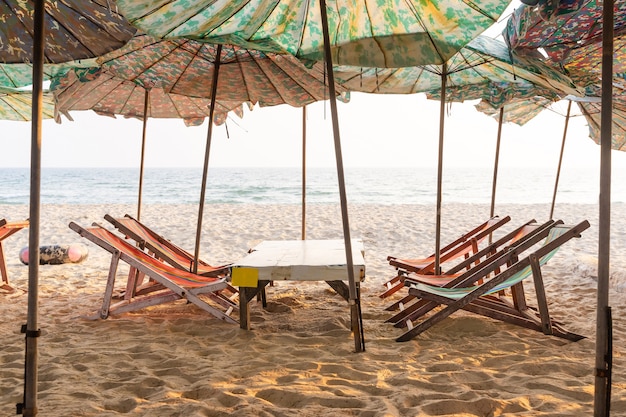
x,y
167,283
164,249
461,247
528,230
8,229
488,298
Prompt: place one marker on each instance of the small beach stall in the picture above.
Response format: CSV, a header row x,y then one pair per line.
x,y
389,35
76,30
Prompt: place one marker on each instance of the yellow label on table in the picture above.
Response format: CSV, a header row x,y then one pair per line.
x,y
245,277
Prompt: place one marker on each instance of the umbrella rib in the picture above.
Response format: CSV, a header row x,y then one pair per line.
x,y
311,87
24,29
15,110
243,74
22,99
95,23
301,39
477,8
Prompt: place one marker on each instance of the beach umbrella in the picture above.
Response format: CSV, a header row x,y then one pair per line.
x,y
362,33
17,105
583,40
520,111
557,31
98,90
95,89
485,68
71,27
187,67
21,75
75,29
217,72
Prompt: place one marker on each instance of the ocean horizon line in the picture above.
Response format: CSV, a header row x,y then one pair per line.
x,y
379,185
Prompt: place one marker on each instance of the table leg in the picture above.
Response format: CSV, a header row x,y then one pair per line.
x,y
247,294
356,323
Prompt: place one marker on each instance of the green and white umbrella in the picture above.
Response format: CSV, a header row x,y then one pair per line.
x,y
361,32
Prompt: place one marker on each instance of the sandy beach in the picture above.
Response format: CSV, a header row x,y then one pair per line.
x,y
298,359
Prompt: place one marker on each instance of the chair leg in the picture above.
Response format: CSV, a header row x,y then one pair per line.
x,y
3,266
108,292
540,291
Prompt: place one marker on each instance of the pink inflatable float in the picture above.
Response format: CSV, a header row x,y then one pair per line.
x,y
57,254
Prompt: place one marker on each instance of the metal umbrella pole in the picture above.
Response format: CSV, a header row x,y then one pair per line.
x,y
216,71
143,150
354,298
558,170
31,329
602,371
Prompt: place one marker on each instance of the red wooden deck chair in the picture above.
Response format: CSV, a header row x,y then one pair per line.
x,y
167,283
487,298
162,248
461,247
8,229
525,231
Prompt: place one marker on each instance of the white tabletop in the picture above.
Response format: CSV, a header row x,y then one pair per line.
x,y
304,260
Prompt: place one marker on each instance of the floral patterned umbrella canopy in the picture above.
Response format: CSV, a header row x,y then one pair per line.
x,y
558,30
362,32
186,67
570,34
97,90
522,110
16,105
21,75
485,68
76,29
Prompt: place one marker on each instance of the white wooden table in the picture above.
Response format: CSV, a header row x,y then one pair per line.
x,y
295,260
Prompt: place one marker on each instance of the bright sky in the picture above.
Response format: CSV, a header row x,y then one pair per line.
x,y
376,130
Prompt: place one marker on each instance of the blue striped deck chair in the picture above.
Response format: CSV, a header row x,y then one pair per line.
x,y
462,247
487,298
517,236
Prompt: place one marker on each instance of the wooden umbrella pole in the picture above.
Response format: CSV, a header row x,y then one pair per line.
x,y
442,109
495,167
31,330
355,308
303,172
602,388
216,71
558,170
146,100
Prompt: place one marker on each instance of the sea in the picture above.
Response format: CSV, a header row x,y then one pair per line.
x,y
285,185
